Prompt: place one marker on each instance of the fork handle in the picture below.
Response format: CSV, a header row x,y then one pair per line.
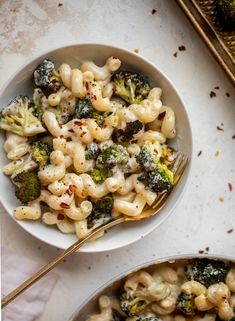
x,y
54,262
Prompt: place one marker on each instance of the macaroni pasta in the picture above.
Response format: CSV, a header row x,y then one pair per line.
x,y
99,151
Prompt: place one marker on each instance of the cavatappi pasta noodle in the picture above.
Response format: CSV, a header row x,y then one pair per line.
x,y
202,289
89,145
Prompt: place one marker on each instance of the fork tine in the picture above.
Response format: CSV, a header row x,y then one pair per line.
x,y
177,162
177,169
159,199
181,166
180,171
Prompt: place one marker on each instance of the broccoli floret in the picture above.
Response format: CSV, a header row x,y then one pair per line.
x,y
159,180
146,158
63,112
92,151
37,111
168,155
131,304
101,213
41,152
28,186
186,304
131,87
18,118
84,109
207,271
111,156
36,104
132,128
165,173
99,175
46,77
226,14
156,176
27,165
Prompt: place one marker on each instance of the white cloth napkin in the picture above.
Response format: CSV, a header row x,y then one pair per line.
x,y
29,305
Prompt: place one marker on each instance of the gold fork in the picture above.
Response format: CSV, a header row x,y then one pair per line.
x,y
178,168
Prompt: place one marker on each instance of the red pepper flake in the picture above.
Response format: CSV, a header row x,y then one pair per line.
x,y
95,97
60,4
61,136
212,94
69,192
114,57
161,115
230,187
136,50
82,134
70,97
199,153
219,128
175,54
154,11
72,188
221,199
71,130
60,217
182,48
216,87
87,85
233,137
230,231
200,251
114,89
64,205
60,125
227,94
78,122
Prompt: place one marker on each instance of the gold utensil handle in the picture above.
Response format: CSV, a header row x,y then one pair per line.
x,y
178,169
48,267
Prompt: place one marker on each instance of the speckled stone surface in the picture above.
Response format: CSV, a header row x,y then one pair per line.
x,y
207,211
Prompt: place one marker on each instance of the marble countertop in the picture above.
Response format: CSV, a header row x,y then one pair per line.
x,y
205,218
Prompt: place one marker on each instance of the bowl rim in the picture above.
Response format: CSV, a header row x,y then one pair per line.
x,y
145,265
162,74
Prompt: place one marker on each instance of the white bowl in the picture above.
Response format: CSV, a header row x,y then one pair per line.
x,y
112,287
22,83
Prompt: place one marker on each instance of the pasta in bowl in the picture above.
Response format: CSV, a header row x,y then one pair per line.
x,y
90,144
189,288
